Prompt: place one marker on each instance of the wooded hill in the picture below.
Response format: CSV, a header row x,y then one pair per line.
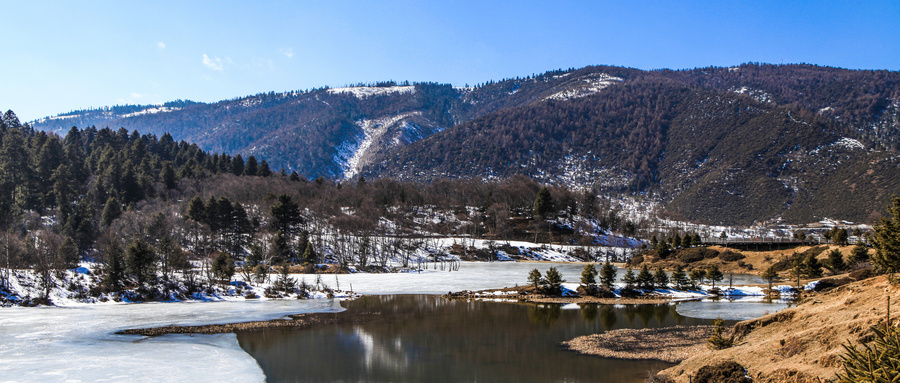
x,y
721,145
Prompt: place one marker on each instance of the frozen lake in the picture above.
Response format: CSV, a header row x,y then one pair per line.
x,y
78,344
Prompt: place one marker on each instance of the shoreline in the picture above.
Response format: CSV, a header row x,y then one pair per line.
x,y
294,321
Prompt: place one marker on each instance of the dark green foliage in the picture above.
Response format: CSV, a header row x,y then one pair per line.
x,y
714,274
554,281
875,363
811,267
725,372
589,277
111,210
769,275
887,240
286,214
860,253
167,176
309,255
140,261
679,278
281,251
607,275
223,268
696,276
68,255
285,282
836,261
630,279
535,278
660,278
717,341
115,268
645,278
543,204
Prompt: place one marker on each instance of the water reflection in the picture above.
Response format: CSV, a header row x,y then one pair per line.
x,y
426,338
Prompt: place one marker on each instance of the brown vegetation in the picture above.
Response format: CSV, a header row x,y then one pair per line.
x,y
803,343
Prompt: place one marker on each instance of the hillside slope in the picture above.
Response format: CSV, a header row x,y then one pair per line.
x,y
802,343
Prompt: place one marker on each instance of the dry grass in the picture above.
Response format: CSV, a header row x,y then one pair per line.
x,y
669,344
802,343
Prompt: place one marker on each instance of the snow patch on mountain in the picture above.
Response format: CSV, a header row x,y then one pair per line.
x,y
373,131
849,143
589,85
367,91
162,109
755,94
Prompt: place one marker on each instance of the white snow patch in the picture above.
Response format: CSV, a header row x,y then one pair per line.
x,y
161,109
590,85
849,143
367,91
373,130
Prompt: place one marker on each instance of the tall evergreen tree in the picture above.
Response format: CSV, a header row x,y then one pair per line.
x,y
111,210
886,240
140,261
607,275
286,214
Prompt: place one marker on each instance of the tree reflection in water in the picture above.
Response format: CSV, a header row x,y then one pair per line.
x,y
426,338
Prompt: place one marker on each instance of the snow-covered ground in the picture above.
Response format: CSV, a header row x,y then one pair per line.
x,y
77,344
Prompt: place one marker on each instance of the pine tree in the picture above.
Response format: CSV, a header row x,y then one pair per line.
x,y
168,177
535,278
554,280
660,278
645,278
769,275
630,279
679,278
140,260
886,240
286,214
589,277
714,274
252,166
836,261
114,267
111,210
696,276
812,268
860,253
543,204
309,255
607,275
223,268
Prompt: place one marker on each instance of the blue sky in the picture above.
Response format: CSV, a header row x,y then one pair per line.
x,y
64,55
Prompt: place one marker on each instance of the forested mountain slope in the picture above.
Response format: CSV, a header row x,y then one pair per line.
x,y
730,145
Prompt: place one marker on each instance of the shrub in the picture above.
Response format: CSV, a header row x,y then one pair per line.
x,y
696,254
879,362
717,341
730,256
725,372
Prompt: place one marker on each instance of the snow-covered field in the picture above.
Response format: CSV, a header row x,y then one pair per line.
x,y
77,344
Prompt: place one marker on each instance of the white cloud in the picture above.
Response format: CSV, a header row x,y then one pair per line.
x,y
161,45
289,52
212,63
136,95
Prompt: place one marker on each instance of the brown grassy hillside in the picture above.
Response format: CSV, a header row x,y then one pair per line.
x,y
803,343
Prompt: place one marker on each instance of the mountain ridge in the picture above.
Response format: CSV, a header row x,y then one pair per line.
x,y
749,143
